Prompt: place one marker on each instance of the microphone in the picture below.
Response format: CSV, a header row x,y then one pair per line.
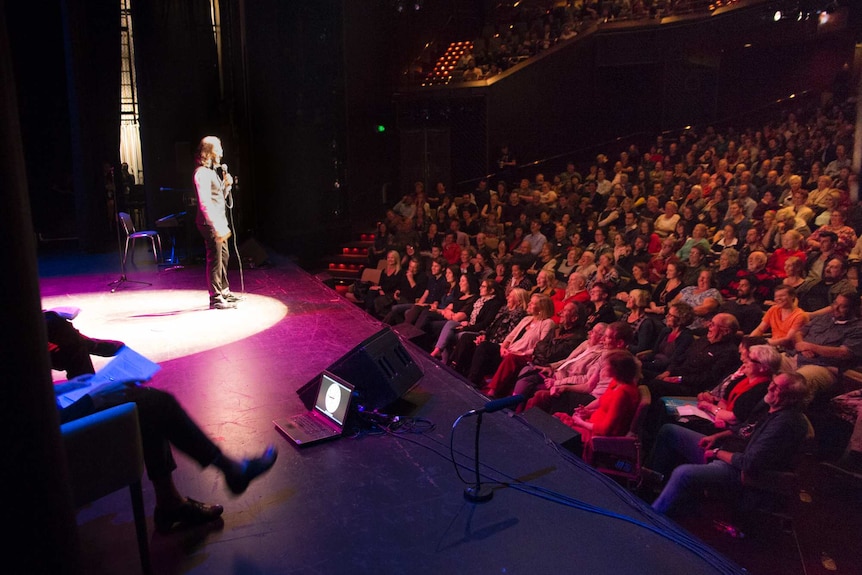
x,y
224,168
498,404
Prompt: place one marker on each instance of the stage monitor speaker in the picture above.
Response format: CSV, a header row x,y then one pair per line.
x,y
408,331
379,368
554,429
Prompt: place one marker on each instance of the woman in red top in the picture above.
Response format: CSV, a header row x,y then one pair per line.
x,y
790,242
612,413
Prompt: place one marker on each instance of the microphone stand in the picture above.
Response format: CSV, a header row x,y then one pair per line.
x,y
478,493
122,280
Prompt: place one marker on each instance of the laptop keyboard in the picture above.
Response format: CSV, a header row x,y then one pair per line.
x,y
310,425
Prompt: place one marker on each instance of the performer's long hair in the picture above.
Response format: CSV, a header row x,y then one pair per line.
x,y
205,155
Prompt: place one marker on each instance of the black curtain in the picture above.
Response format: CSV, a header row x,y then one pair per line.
x,y
178,89
92,45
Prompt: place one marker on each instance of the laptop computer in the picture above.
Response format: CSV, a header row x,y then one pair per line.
x,y
326,418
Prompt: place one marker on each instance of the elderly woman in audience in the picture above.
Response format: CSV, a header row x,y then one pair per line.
x,y
725,239
546,283
832,201
612,414
567,265
519,342
725,275
846,235
476,319
665,224
791,241
703,298
735,398
668,288
698,238
783,319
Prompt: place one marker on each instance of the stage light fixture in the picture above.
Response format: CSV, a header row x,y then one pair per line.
x,y
777,16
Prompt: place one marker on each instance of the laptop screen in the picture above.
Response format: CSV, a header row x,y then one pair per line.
x,y
333,397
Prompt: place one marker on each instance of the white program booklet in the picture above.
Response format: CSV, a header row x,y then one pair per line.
x,y
127,365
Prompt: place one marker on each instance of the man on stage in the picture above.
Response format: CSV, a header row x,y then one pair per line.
x,y
213,190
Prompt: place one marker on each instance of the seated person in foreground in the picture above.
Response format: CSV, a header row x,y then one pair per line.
x,y
767,441
70,350
672,342
612,414
164,423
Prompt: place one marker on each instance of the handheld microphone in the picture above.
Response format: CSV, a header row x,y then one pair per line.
x,y
498,404
224,168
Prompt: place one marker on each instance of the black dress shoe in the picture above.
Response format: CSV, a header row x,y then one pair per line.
x,y
188,514
249,469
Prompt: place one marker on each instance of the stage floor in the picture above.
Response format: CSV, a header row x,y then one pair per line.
x,y
375,503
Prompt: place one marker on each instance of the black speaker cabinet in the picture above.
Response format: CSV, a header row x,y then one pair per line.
x,y
252,253
379,368
555,430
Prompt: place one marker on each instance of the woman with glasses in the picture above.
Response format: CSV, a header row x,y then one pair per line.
x,y
735,398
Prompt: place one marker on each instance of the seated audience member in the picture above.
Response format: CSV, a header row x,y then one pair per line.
x,y
817,257
743,306
643,326
424,312
599,308
728,239
586,264
735,398
384,241
695,264
518,279
709,360
783,319
545,261
523,337
698,238
672,342
605,273
545,284
752,244
70,350
568,386
517,347
508,316
845,236
164,424
703,298
790,243
779,429
794,274
638,280
817,296
458,309
477,319
728,266
763,281
380,297
850,462
577,363
612,414
668,288
575,292
557,345
451,249
567,265
829,343
435,289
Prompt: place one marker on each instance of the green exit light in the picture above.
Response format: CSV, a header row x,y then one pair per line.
x,y
381,128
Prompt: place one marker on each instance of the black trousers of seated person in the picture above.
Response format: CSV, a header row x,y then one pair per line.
x,y
486,360
163,423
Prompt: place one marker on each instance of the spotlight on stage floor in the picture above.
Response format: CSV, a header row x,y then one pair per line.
x,y
167,324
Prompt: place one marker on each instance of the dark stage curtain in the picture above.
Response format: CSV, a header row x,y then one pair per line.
x,y
92,40
178,88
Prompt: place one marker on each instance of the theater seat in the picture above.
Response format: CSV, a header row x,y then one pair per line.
x,y
623,456
104,454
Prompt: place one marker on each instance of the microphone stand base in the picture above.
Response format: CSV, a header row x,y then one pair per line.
x,y
478,494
